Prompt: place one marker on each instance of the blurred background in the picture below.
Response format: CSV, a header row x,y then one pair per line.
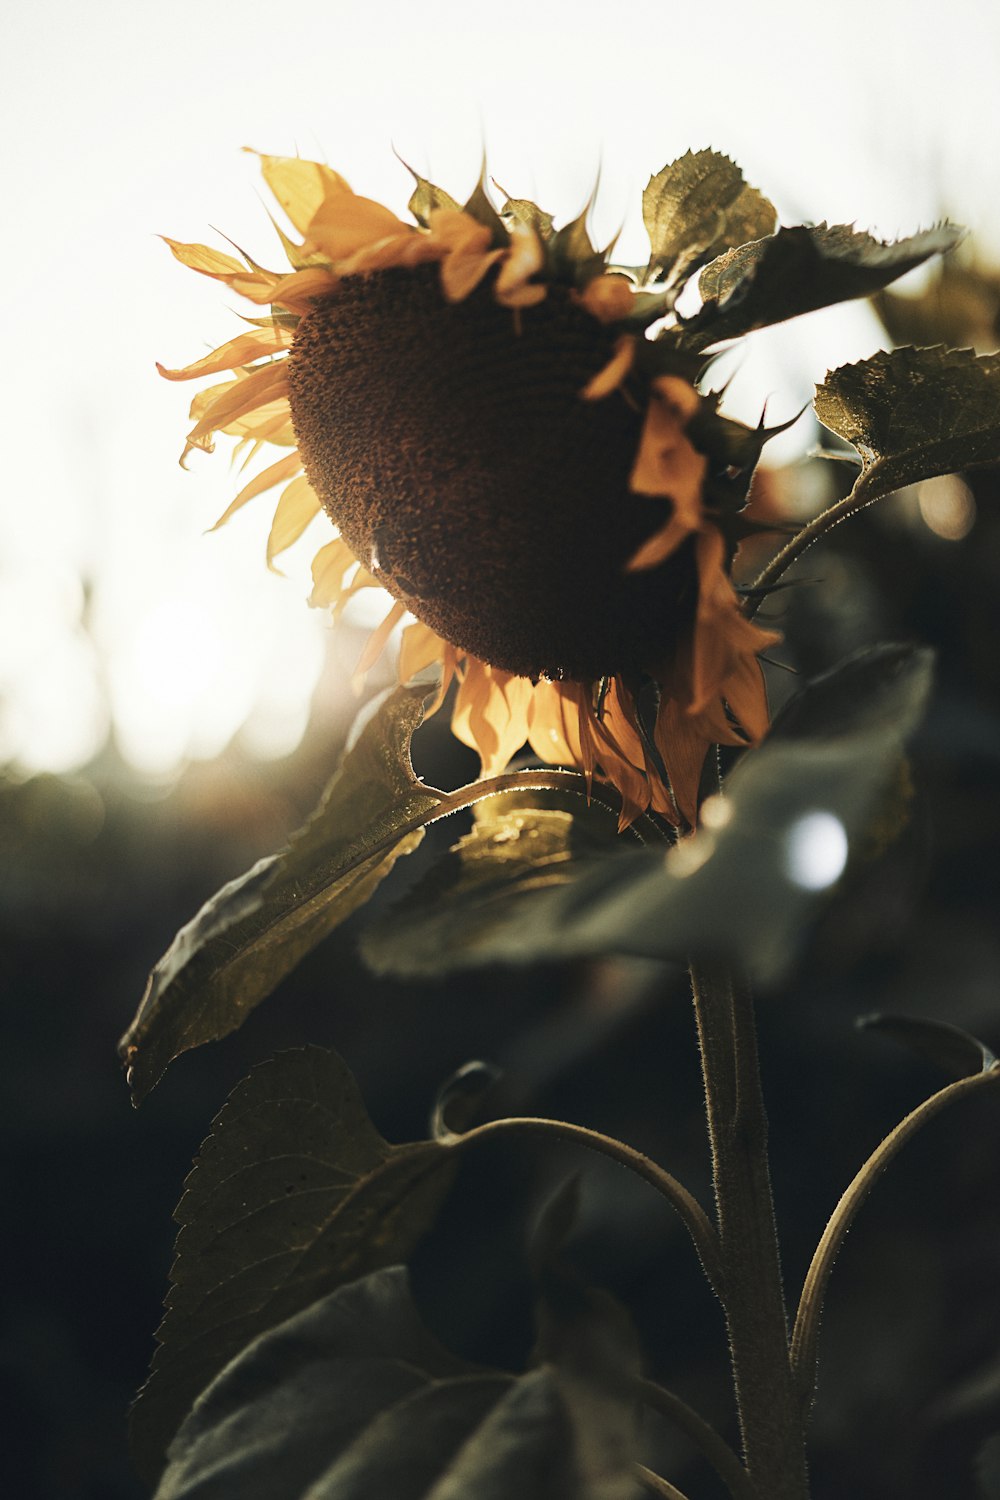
x,y
169,710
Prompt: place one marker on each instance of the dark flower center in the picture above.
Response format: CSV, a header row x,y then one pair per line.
x,y
451,446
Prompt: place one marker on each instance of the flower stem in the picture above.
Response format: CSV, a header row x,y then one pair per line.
x,y
770,1412
863,494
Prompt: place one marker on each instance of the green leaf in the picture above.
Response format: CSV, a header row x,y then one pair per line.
x,y
949,1047
523,211
256,929
799,270
700,205
516,850
294,1193
742,888
353,1400
914,413
425,198
571,253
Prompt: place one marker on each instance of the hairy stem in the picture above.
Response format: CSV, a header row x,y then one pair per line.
x,y
770,1413
656,1484
690,1211
805,1337
861,496
713,1446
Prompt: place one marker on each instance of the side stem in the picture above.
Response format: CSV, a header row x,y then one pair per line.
x,y
770,1411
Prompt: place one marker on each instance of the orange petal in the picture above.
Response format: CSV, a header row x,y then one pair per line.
x,y
554,724
683,747
202,258
296,508
613,373
666,463
345,222
524,258
277,473
491,714
237,399
419,648
607,298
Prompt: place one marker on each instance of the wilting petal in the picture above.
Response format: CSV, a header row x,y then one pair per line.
x,y
206,260
463,247
614,372
232,356
491,714
667,464
296,508
554,723
286,468
723,634
237,399
683,747
607,298
746,695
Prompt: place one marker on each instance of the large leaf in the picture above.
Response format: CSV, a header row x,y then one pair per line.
x,y
257,928
914,413
294,1193
353,1400
700,205
799,270
745,886
519,845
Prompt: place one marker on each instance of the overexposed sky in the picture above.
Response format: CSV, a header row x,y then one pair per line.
x,y
124,120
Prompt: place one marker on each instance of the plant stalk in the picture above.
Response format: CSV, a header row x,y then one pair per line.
x,y
770,1411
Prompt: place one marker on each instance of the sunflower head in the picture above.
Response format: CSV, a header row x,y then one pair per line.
x,y
475,402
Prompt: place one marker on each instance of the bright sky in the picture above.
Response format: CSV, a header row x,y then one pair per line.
x,y
124,120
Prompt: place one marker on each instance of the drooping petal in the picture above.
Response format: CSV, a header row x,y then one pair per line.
x,y
723,634
491,714
419,648
463,247
377,642
236,399
329,567
296,508
613,374
668,465
238,352
554,724
683,746
278,473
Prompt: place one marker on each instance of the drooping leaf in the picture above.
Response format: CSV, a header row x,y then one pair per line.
x,y
949,1047
743,887
700,205
256,929
353,1400
294,1193
799,270
914,413
516,849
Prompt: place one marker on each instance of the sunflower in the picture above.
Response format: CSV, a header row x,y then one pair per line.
x,y
476,402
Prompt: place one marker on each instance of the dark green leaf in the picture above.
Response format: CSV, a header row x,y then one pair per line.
x,y
914,413
700,205
571,253
353,1400
988,1468
799,270
742,888
294,1193
949,1047
514,852
256,929
480,207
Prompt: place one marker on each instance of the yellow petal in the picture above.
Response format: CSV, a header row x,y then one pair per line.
x,y
202,258
232,356
300,186
345,222
554,724
236,399
420,647
328,569
378,641
296,508
277,473
524,258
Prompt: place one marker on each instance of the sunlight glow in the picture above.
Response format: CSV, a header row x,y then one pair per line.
x,y
816,851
